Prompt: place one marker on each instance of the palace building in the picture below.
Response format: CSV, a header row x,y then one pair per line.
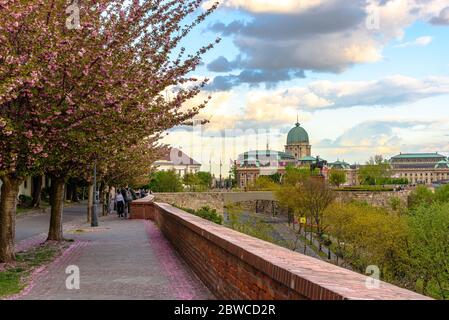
x,y
421,168
252,164
417,168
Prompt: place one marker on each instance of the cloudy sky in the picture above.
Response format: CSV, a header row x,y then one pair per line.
x,y
365,77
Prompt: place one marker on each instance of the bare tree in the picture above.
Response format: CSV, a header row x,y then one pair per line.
x,y
314,197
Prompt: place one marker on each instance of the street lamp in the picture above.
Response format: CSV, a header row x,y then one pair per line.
x,y
94,219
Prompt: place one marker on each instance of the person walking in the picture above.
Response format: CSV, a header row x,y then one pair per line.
x,y
128,198
120,201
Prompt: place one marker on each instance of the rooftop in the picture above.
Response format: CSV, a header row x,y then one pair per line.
x,y
435,155
176,156
266,154
297,135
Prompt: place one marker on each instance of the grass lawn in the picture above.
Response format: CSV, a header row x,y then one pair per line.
x,y
14,277
21,211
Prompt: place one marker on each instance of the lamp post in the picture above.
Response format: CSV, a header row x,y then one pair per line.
x,y
94,219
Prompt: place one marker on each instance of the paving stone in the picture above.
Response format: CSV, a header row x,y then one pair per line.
x,y
124,259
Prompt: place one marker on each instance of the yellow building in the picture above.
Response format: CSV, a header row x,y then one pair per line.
x,y
421,168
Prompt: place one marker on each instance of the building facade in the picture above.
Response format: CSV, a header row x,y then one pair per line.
x,y
417,168
178,161
253,164
351,171
421,168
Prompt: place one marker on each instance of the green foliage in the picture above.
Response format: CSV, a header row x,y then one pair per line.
x,y
295,175
365,235
205,179
205,213
367,188
421,196
200,181
233,174
192,181
429,247
276,178
442,193
337,177
396,205
209,214
263,183
165,181
374,172
392,181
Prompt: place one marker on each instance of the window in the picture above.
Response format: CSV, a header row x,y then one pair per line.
x,y
25,184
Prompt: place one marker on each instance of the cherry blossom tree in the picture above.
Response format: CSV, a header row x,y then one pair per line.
x,y
74,93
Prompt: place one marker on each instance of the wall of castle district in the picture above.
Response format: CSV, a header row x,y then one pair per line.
x,y
234,265
265,201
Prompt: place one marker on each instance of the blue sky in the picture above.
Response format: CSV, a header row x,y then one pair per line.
x,y
360,88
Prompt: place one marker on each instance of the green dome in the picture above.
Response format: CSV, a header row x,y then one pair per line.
x,y
443,164
297,135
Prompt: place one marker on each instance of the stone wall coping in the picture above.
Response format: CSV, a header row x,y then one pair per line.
x,y
312,278
145,200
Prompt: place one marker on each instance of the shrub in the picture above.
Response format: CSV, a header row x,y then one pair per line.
x,y
421,196
367,188
205,213
209,214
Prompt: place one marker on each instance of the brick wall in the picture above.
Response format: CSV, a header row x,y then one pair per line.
x,y
236,266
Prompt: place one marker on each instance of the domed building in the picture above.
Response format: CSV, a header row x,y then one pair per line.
x,y
252,164
298,144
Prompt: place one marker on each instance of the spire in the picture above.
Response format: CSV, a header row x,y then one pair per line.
x,y
297,120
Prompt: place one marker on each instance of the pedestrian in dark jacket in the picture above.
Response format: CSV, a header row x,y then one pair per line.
x,y
120,201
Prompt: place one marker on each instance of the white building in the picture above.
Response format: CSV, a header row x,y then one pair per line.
x,y
178,161
25,187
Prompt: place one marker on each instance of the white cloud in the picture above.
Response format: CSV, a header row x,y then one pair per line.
x,y
260,6
393,90
418,42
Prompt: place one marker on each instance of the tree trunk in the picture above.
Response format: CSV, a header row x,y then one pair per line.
x,y
37,191
8,204
90,201
57,207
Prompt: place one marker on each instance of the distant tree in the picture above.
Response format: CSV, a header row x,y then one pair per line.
x,y
277,177
295,175
205,179
337,177
191,180
166,181
421,196
356,228
233,175
377,159
442,193
373,173
397,205
263,183
315,197
429,243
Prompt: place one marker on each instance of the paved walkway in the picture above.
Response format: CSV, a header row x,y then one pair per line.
x,y
32,229
122,259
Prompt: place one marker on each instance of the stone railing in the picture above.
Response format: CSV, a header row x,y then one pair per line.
x,y
236,266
